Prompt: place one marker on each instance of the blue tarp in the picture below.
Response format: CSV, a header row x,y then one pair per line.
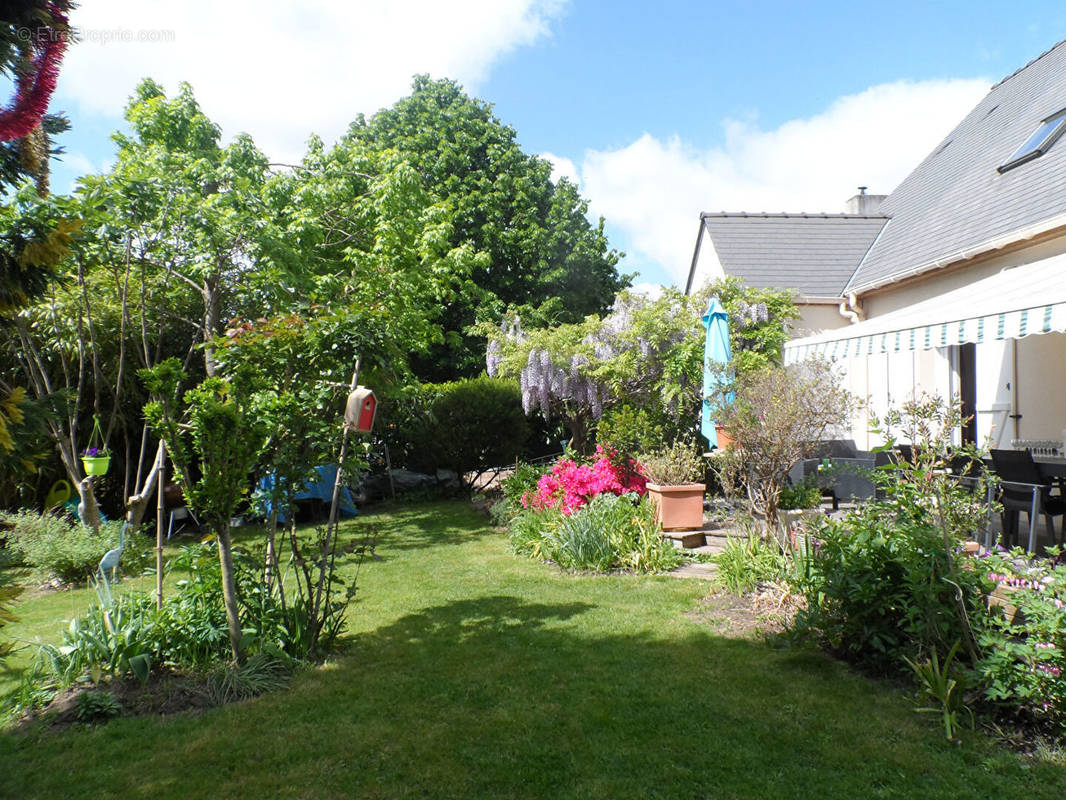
x,y
322,489
716,354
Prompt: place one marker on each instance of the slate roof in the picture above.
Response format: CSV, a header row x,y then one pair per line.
x,y
815,254
955,202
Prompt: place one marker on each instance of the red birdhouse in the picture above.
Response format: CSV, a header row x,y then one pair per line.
x,y
361,409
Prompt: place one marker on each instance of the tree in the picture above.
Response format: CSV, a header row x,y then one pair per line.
x,y
540,252
213,431
176,239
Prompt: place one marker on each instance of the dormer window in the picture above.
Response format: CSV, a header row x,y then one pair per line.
x,y
1046,134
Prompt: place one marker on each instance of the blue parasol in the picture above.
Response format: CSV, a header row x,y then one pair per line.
x,y
716,351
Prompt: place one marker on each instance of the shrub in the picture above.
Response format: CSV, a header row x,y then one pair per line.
x,y
1023,662
65,550
569,486
777,418
478,424
800,496
627,429
877,588
883,583
467,426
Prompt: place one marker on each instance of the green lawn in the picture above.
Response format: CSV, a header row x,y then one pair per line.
x,y
472,673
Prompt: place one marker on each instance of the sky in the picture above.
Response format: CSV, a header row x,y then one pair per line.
x,y
658,111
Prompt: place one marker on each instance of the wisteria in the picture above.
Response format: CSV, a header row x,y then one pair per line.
x,y
552,374
745,315
510,330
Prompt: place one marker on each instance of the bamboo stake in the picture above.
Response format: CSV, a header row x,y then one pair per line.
x,y
161,480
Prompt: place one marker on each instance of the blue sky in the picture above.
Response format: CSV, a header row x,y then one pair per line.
x,y
658,110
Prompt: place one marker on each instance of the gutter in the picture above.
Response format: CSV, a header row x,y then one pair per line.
x,y
987,246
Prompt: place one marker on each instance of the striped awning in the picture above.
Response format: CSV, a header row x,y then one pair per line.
x,y
1012,304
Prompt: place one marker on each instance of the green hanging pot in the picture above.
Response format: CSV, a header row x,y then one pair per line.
x,y
96,465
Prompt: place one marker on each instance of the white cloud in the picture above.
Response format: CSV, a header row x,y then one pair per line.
x,y
282,70
562,167
652,191
80,163
653,291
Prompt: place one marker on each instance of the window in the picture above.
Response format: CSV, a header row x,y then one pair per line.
x,y
1045,135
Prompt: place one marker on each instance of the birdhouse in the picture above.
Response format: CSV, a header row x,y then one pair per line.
x,y
361,409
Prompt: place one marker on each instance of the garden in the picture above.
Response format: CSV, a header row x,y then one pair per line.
x,y
188,337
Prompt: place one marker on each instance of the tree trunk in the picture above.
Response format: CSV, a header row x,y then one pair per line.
x,y
88,510
229,588
271,548
212,315
137,505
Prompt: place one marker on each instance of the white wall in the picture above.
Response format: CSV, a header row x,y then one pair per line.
x,y
708,266
1041,389
815,318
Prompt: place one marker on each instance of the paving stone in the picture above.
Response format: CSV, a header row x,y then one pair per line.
x,y
704,571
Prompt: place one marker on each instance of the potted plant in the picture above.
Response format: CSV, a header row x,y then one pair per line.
x,y
96,460
674,486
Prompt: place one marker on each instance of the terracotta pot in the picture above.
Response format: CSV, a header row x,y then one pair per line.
x,y
678,508
725,441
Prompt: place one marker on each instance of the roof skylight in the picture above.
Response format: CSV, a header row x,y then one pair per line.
x,y
1045,135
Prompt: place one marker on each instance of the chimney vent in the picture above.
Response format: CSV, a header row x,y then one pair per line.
x,y
863,203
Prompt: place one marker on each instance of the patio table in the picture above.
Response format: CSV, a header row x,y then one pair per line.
x,y
1051,466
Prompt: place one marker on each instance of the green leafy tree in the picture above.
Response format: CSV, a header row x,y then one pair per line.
x,y
643,354
538,250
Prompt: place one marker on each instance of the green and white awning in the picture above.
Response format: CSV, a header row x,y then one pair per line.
x,y
1012,304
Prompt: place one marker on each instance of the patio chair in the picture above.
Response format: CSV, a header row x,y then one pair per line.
x,y
1023,488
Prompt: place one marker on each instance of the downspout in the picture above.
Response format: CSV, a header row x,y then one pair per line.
x,y
851,308
1016,415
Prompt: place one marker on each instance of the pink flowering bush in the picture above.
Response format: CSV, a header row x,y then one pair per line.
x,y
569,485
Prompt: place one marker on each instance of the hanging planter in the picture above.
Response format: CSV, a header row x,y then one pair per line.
x,y
95,464
96,458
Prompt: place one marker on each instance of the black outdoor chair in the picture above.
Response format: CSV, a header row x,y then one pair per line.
x,y
1023,488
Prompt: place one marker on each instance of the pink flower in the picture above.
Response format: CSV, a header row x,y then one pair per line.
x,y
569,485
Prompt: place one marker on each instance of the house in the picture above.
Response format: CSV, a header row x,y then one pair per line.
x,y
955,283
